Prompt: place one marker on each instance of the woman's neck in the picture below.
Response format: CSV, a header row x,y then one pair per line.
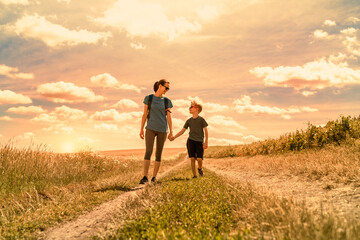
x,y
158,94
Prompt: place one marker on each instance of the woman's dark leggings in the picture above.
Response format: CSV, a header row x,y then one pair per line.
x,y
149,141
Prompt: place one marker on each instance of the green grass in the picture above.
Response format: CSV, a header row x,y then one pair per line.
x,y
215,208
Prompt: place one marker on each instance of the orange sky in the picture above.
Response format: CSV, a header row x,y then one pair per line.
x,y
73,74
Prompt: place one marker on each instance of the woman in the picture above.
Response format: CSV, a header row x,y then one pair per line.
x,y
157,111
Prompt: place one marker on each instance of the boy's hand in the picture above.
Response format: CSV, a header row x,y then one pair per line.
x,y
205,145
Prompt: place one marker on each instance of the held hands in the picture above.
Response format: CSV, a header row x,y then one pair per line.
x,y
171,137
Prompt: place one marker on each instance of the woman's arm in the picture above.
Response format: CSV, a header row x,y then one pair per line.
x,y
205,145
143,120
169,120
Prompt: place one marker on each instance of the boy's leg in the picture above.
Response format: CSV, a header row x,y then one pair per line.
x,y
200,162
193,166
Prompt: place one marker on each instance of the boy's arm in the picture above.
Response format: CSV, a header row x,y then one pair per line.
x,y
179,133
205,145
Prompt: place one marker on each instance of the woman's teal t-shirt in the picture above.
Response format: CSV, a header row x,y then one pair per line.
x,y
157,121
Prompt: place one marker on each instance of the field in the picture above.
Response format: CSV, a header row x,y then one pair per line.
x,y
308,189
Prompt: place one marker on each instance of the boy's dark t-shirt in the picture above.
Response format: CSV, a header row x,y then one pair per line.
x,y
196,128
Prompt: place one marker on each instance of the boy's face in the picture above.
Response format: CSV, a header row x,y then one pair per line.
x,y
193,109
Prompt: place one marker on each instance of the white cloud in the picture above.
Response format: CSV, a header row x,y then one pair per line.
x,y
60,129
62,92
308,93
137,46
45,118
5,118
106,126
25,136
146,19
85,140
106,80
64,1
320,34
9,97
222,121
68,113
53,34
126,103
329,23
14,73
223,142
20,2
113,115
26,110
177,123
353,19
314,75
245,105
208,12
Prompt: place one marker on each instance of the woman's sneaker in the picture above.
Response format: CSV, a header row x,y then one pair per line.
x,y
201,173
153,179
144,180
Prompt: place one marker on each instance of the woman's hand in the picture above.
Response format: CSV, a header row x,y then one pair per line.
x,y
142,134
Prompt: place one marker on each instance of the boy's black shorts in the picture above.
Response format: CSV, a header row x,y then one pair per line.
x,y
195,149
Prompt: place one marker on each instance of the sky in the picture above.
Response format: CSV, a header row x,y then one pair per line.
x,y
74,73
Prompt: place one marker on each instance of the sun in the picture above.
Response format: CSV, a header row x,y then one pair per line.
x,y
68,147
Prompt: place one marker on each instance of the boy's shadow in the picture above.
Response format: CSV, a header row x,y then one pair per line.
x,y
179,179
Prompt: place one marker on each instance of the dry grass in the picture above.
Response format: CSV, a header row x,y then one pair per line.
x,y
339,164
39,189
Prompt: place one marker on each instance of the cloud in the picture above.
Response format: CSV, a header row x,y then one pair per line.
x,y
53,34
14,73
126,103
353,19
9,97
64,1
25,136
208,12
330,23
113,115
68,113
20,2
106,126
319,34
106,80
45,118
146,19
222,121
26,110
308,93
62,92
5,118
314,75
60,129
137,46
182,105
245,105
223,142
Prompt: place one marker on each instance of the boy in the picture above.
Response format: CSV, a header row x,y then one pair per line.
x,y
195,143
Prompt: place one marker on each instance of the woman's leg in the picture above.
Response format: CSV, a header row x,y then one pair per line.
x,y
160,141
149,142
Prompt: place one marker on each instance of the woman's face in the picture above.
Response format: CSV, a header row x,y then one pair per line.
x,y
165,88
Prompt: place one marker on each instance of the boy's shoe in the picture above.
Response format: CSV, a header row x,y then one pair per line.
x,y
153,179
201,172
144,180
194,176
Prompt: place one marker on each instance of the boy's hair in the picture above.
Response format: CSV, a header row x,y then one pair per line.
x,y
158,83
197,105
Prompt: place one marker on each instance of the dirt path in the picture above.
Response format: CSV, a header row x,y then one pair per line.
x,y
100,218
343,200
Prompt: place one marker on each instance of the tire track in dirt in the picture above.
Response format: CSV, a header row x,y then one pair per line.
x,y
97,220
342,200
